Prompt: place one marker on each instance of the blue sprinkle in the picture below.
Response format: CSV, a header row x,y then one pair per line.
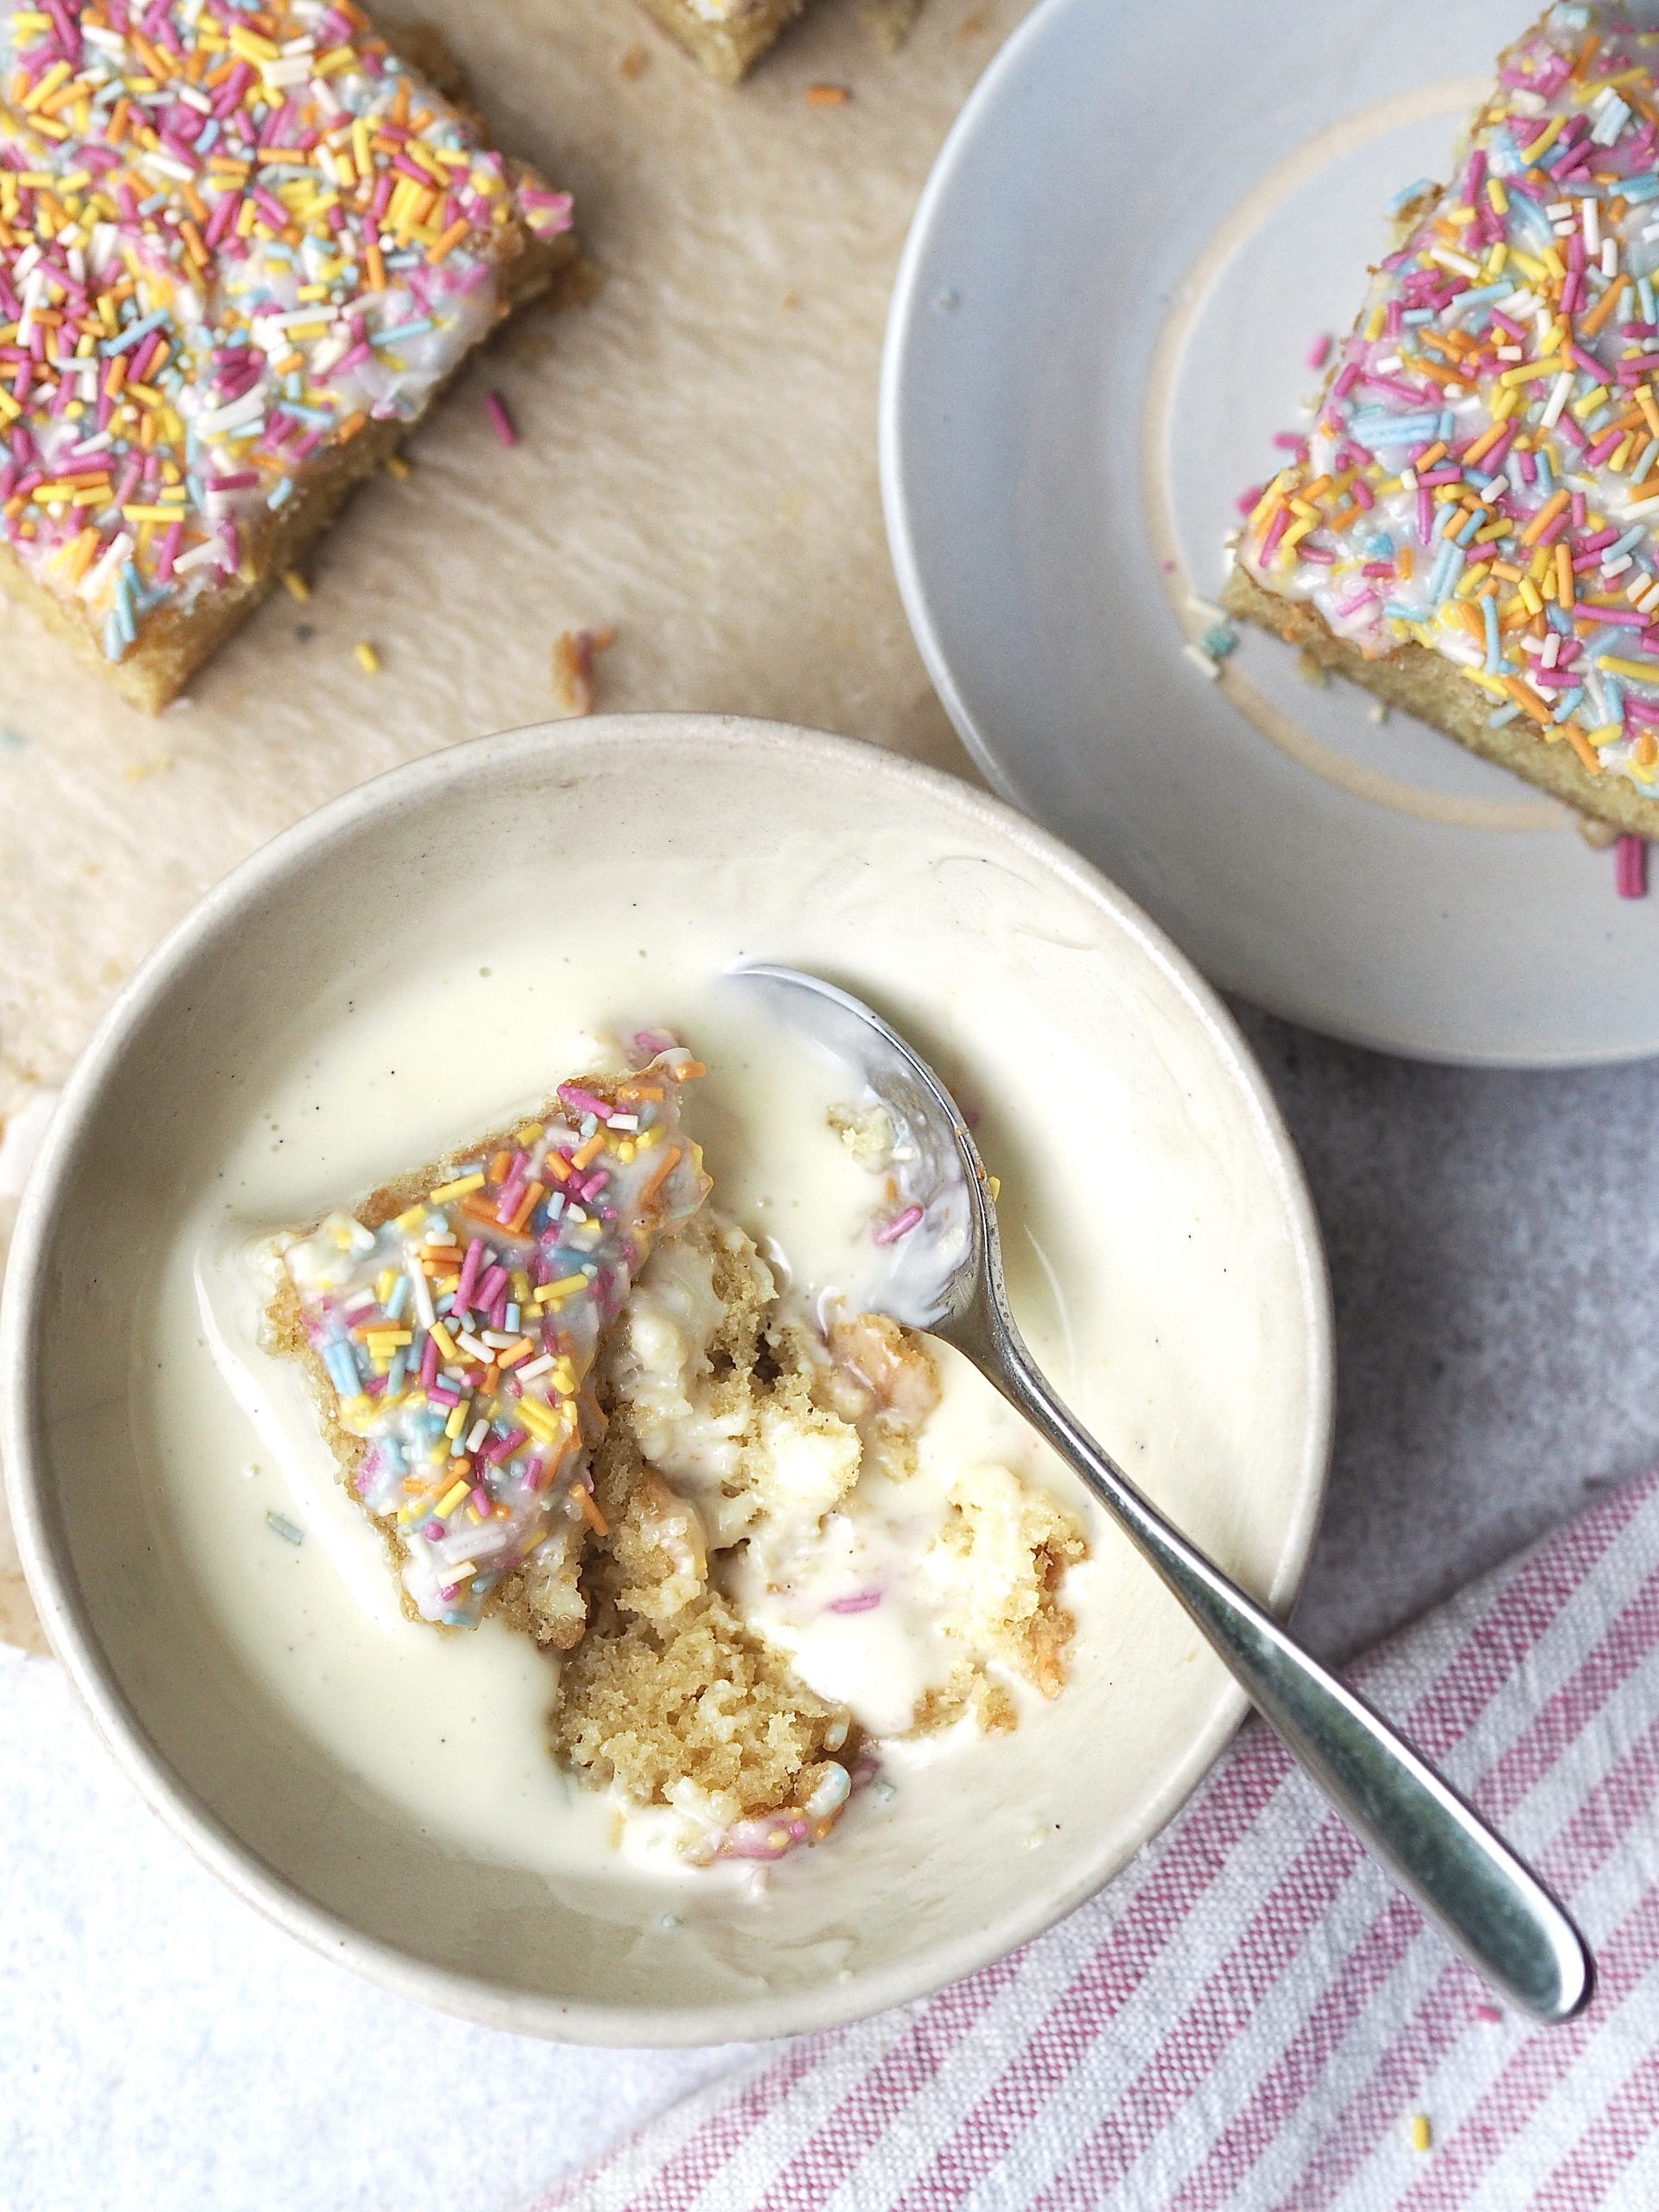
x,y
284,1527
1217,641
400,331
134,332
280,493
1503,714
1569,704
1494,644
1403,198
114,643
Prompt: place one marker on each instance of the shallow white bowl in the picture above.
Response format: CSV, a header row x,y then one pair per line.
x,y
895,1906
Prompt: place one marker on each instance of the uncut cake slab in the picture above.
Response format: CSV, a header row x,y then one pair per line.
x,y
1468,530
1061,520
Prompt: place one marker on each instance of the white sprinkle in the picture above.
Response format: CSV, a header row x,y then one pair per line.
x,y
1561,392
1209,670
1612,569
467,1342
535,1367
195,558
92,584
1591,227
424,1305
214,421
1552,649
477,1432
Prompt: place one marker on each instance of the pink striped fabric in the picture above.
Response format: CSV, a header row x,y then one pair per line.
x,y
1248,2019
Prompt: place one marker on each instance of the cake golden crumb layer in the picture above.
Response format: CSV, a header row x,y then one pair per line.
x,y
241,251
1469,529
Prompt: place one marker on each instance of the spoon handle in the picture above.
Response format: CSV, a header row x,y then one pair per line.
x,y
1435,1844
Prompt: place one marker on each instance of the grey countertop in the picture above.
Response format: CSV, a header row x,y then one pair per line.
x,y
1498,1357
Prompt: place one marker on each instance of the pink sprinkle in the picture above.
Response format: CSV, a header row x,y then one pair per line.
x,y
1487,2013
1320,352
864,1602
496,408
901,1225
1631,860
1247,501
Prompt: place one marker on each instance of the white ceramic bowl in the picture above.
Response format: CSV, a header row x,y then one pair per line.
x,y
1233,1429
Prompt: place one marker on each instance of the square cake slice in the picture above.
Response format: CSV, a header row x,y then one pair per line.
x,y
727,37
449,1328
242,249
1469,531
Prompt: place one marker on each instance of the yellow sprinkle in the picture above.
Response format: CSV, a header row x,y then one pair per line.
x,y
451,1499
397,466
412,1219
457,1420
1496,193
458,1189
1644,672
1421,2133
1530,371
565,1284
297,587
369,661
444,1341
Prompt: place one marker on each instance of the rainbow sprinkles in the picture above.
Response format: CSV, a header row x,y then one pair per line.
x,y
451,1325
1470,527
241,248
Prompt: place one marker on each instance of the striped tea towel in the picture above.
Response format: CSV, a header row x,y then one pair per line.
x,y
1248,2017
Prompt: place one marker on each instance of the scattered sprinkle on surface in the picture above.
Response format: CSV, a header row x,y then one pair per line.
x,y
827,95
282,1526
296,585
500,422
1422,2135
366,657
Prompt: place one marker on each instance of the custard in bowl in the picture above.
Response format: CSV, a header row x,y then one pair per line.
x,y
833,1688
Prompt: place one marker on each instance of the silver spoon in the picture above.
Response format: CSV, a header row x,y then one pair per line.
x,y
946,1277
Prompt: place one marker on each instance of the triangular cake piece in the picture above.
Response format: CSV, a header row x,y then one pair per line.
x,y
450,1327
1469,529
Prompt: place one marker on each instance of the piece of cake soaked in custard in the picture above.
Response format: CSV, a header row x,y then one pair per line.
x,y
573,1394
450,1327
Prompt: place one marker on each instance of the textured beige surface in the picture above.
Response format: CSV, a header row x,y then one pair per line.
x,y
696,466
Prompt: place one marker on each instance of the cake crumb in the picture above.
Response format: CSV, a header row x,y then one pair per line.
x,y
634,63
1310,670
1600,836
573,672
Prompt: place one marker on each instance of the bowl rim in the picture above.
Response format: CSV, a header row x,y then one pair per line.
x,y
43,1542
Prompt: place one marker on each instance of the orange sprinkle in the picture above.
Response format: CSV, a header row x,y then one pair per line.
x,y
375,265
499,1165
1602,310
1581,745
827,95
660,1173
1554,506
1564,575
585,1154
532,1198
589,1509
440,248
